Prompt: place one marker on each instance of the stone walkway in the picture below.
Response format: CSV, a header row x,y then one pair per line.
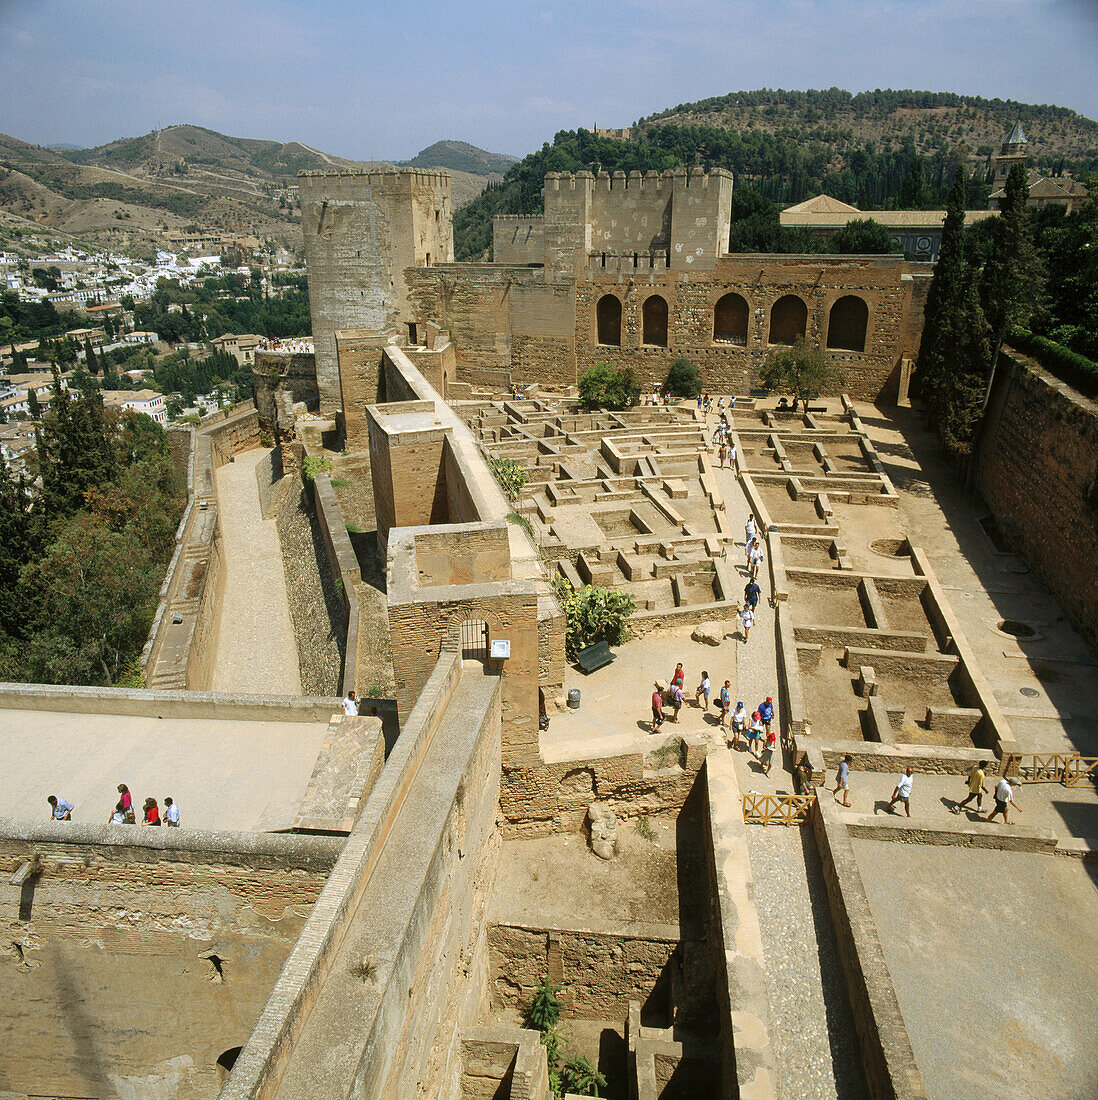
x,y
256,650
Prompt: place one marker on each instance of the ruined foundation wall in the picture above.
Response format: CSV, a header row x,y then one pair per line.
x,y
110,939
1039,447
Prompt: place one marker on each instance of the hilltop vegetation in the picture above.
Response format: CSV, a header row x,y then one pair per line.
x,y
790,146
460,156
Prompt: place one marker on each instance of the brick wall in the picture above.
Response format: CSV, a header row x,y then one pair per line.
x,y
1037,468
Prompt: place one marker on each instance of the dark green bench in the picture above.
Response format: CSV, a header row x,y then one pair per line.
x,y
760,393
594,656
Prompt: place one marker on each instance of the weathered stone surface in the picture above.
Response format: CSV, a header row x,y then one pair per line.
x,y
710,633
604,830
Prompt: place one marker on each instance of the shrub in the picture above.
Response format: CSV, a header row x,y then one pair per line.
x,y
605,386
1067,365
683,379
545,1011
593,614
510,475
581,1078
316,464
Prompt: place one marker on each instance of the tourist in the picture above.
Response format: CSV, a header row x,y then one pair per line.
x,y
739,723
678,676
755,734
152,812
720,406
726,701
723,453
1004,796
766,712
732,454
767,758
751,594
747,619
677,697
657,708
803,778
118,816
127,803
842,779
976,788
60,810
703,690
350,704
902,793
171,813
755,559
750,530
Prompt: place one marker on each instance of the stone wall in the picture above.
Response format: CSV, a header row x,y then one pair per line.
x,y
278,373
1037,468
112,937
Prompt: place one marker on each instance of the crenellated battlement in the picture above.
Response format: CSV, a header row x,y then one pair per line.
x,y
669,179
337,176
653,262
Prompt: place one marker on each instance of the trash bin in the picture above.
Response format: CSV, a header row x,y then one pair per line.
x,y
573,699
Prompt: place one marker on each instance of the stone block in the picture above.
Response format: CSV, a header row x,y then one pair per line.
x,y
867,681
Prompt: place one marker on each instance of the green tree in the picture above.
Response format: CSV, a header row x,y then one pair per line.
x,y
605,386
33,406
914,192
944,297
20,540
1013,284
90,360
864,237
795,369
682,379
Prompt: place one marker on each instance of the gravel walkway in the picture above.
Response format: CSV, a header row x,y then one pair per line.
x,y
817,1046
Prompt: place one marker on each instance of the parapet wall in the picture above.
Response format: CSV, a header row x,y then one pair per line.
x,y
1037,468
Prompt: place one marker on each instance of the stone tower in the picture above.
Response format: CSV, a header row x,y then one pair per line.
x,y
1011,152
363,230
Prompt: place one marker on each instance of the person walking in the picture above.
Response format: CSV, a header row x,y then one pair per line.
x,y
657,709
723,452
751,594
60,810
755,733
738,723
732,455
902,793
750,530
1004,796
724,701
766,712
350,704
678,676
976,788
152,812
769,745
754,559
842,779
703,690
747,618
127,803
171,813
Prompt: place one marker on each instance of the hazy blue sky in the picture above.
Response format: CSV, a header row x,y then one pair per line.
x,y
373,80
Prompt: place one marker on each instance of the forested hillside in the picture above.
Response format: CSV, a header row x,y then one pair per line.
x,y
790,146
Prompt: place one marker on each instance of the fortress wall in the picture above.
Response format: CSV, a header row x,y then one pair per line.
x,y
1037,468
518,239
358,362
113,938
277,372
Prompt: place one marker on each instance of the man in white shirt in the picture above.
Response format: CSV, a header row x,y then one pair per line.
x,y
1004,796
902,793
171,813
60,810
350,704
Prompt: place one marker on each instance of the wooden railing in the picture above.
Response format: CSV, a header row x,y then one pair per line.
x,y
1058,767
781,809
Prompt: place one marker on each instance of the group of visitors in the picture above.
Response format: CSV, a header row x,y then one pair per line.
x,y
752,591
123,812
294,347
1004,790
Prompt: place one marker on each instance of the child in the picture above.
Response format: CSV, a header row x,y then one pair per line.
x,y
703,689
767,758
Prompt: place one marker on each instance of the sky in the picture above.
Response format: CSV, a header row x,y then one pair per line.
x,y
380,81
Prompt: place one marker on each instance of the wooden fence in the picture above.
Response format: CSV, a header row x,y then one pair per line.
x,y
1058,767
779,809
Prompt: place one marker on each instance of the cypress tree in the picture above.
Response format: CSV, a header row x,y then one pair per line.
x,y
19,544
943,298
1013,284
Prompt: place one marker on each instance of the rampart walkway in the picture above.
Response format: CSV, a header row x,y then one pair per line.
x,y
256,651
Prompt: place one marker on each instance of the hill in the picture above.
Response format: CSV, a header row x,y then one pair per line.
x,y
461,157
128,193
791,146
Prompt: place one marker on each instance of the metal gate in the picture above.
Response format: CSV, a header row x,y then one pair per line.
x,y
474,640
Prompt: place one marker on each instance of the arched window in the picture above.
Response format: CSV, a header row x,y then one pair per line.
x,y
608,315
730,320
847,324
788,320
655,321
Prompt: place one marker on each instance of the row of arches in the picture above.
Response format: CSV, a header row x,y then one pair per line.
x,y
847,322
